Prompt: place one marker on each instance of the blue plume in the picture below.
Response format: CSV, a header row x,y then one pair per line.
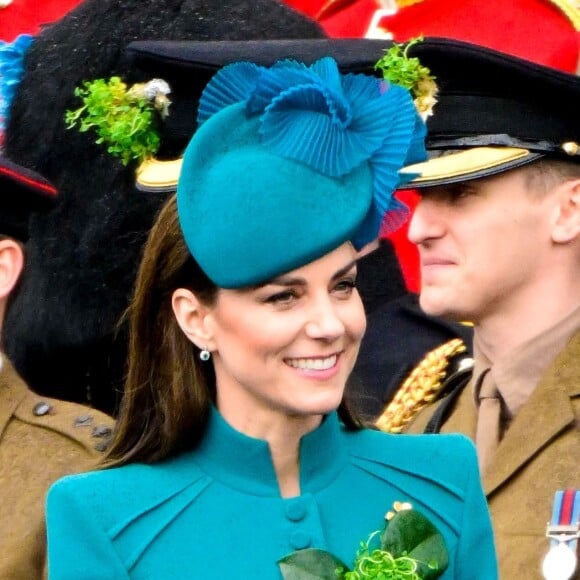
x,y
11,72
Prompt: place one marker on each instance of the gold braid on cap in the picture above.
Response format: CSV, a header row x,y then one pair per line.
x,y
571,9
420,388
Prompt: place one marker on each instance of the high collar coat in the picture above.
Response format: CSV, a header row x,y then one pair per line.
x,y
216,512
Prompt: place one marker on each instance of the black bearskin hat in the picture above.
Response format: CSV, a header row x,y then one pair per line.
x,y
60,330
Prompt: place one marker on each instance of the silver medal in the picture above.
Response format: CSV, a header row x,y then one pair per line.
x,y
559,563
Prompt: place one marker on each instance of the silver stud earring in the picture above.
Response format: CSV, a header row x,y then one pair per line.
x,y
204,355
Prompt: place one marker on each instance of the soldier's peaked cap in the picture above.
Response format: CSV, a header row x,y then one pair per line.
x,y
22,192
189,65
494,112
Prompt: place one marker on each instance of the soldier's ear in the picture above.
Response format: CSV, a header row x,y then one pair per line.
x,y
11,265
567,223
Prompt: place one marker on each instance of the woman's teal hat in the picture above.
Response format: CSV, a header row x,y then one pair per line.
x,y
288,163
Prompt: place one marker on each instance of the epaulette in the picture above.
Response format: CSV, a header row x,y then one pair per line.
x,y
431,379
87,426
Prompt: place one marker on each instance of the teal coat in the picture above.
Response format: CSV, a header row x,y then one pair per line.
x,y
216,512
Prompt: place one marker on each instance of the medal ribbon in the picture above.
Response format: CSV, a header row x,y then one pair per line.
x,y
566,512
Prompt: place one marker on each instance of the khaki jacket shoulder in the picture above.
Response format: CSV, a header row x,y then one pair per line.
x,y
41,440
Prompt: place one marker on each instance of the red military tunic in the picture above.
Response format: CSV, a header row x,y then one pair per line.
x,y
28,17
544,31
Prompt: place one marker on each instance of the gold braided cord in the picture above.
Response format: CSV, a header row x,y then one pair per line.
x,y
571,9
420,388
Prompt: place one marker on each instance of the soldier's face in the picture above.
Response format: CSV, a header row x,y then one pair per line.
x,y
484,246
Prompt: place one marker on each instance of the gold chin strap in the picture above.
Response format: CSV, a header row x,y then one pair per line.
x,y
420,388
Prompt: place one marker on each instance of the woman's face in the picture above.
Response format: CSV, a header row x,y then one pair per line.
x,y
288,346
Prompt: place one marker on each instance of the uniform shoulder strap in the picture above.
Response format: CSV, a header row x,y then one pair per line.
x,y
437,375
446,405
82,425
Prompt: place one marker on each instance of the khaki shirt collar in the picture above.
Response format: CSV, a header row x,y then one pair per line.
x,y
518,373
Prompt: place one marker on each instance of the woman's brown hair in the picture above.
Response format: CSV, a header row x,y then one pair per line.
x,y
167,392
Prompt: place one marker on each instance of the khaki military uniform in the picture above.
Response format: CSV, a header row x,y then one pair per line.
x,y
539,454
41,439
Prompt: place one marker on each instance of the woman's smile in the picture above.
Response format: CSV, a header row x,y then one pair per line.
x,y
313,363
287,346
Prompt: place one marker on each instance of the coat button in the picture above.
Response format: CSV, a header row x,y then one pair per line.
x,y
300,540
41,409
102,446
101,431
296,510
83,420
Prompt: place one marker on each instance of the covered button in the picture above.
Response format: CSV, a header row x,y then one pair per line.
x,y
300,540
83,420
296,510
101,431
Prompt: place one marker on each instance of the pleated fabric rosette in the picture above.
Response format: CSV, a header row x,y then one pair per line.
x,y
288,163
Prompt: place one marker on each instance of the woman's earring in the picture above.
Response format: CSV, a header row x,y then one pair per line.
x,y
204,355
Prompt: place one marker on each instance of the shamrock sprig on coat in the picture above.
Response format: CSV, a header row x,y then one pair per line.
x,y
409,548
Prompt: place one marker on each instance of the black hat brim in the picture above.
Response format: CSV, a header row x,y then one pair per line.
x,y
189,65
467,165
494,112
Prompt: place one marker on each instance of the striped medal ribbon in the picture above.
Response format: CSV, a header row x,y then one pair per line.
x,y
564,532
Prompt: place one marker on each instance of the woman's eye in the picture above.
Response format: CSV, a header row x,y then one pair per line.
x,y
281,297
345,286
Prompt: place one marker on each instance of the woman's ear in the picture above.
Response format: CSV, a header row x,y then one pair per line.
x,y
567,223
11,265
191,315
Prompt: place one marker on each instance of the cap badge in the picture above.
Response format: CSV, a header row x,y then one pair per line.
x,y
570,147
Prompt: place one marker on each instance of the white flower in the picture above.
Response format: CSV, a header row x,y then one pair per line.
x,y
155,88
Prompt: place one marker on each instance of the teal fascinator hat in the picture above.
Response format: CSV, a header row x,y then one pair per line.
x,y
288,163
